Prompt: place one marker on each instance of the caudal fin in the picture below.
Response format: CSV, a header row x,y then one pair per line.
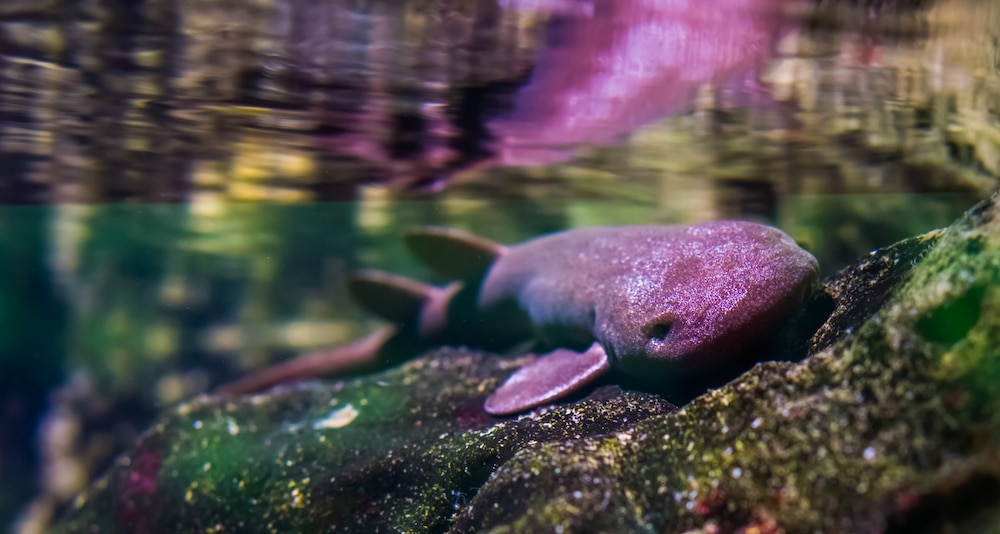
x,y
359,354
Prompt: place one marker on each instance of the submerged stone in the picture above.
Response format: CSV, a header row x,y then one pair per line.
x,y
891,423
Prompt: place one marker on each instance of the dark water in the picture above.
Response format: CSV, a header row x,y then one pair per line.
x,y
187,185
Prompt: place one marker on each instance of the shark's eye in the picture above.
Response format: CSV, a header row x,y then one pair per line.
x,y
659,330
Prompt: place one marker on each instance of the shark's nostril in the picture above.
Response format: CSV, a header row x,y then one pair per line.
x,y
659,331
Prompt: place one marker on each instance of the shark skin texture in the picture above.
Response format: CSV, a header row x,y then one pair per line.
x,y
650,301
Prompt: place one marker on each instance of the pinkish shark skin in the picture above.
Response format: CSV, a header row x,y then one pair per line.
x,y
656,298
619,64
653,301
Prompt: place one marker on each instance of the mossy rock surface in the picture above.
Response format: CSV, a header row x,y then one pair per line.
x,y
890,424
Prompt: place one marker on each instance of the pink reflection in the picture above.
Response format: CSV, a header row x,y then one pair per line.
x,y
615,65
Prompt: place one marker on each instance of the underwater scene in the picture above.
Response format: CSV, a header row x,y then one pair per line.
x,y
455,266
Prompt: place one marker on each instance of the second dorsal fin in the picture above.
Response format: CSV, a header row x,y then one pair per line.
x,y
454,253
392,297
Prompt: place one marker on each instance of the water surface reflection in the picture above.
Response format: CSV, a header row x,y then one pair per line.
x,y
619,65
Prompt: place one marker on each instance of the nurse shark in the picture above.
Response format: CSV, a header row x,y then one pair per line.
x,y
647,300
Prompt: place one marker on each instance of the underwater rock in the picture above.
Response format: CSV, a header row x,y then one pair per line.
x,y
891,424
404,450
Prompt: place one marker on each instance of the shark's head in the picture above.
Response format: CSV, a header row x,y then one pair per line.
x,y
720,287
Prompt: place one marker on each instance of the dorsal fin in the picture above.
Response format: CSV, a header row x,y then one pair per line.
x,y
390,296
454,253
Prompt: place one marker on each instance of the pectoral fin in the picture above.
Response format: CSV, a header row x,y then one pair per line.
x,y
551,376
454,253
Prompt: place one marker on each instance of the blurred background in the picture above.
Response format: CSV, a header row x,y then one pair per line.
x,y
185,184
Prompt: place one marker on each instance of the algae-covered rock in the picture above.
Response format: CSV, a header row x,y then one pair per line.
x,y
400,451
891,423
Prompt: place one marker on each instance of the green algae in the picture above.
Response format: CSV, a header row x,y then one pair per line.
x,y
889,425
401,451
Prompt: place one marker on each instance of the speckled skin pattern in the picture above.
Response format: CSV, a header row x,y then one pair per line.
x,y
674,297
